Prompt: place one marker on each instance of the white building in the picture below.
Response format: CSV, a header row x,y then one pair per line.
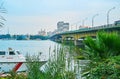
x,y
62,27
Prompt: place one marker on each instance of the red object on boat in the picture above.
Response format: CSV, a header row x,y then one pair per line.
x,y
17,66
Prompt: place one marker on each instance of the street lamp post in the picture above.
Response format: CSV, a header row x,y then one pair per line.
x,y
83,21
77,24
108,15
93,19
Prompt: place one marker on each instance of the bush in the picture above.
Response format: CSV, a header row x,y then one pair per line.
x,y
104,54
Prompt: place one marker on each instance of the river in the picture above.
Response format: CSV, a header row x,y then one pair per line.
x,y
31,47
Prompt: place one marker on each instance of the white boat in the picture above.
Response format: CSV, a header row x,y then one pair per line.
x,y
13,60
12,56
10,59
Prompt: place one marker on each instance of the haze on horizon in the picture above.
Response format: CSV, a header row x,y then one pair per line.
x,y
30,16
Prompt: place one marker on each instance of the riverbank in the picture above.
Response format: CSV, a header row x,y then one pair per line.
x,y
64,63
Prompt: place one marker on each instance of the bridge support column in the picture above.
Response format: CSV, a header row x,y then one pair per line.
x,y
75,42
78,43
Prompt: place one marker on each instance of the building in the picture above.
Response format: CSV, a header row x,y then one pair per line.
x,y
42,32
62,27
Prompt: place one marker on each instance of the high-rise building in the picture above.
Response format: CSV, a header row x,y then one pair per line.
x,y
62,27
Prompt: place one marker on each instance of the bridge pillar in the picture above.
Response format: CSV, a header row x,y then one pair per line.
x,y
78,42
63,38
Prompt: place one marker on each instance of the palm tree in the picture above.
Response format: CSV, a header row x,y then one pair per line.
x,y
104,46
104,54
2,10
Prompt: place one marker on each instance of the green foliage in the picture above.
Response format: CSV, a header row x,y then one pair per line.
x,y
33,67
103,70
104,56
54,69
14,75
33,37
104,46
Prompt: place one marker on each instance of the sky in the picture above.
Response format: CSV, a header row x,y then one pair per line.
x,y
30,16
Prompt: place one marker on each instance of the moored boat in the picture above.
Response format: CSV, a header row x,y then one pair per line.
x,y
12,56
14,60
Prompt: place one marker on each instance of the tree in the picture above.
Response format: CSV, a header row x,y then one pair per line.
x,y
104,46
2,10
104,56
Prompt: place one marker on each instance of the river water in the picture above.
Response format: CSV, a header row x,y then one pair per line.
x,y
31,47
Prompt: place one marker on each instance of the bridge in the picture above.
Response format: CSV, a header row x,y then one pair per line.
x,y
78,35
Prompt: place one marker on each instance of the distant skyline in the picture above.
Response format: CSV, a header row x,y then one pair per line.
x,y
30,16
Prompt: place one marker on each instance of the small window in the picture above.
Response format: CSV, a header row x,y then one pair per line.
x,y
11,53
2,52
18,52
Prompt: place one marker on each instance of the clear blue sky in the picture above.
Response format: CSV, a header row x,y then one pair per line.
x,y
30,16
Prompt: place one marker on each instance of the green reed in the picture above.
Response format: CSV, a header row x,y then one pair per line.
x,y
54,69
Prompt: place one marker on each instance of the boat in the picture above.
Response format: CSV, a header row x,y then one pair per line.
x,y
11,59
11,56
14,60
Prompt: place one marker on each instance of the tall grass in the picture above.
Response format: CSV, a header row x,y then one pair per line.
x,y
54,69
57,67
33,67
